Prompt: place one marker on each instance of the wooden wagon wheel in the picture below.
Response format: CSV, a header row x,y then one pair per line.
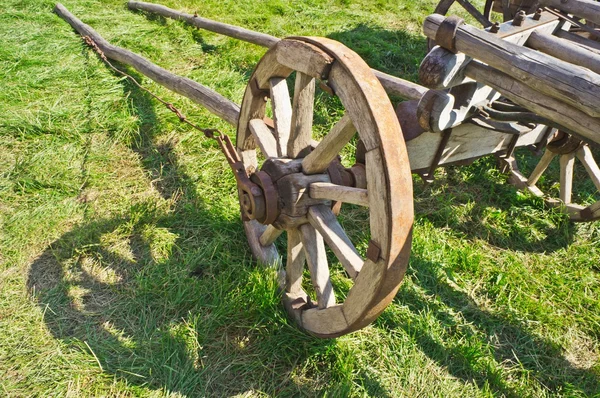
x,y
301,178
566,148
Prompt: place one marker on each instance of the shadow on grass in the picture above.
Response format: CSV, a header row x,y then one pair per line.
x,y
170,298
512,345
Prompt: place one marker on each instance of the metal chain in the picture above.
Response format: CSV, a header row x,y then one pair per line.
x,y
208,133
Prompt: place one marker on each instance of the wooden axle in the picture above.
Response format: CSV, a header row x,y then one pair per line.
x,y
392,84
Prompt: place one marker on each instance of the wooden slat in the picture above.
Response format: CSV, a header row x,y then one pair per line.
x,y
540,167
302,116
339,193
322,218
295,262
282,113
264,138
566,177
584,154
316,257
270,235
329,147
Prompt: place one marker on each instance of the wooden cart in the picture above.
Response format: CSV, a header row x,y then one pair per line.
x,y
525,82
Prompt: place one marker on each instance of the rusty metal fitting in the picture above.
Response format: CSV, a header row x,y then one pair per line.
x,y
564,144
519,18
495,28
538,14
446,34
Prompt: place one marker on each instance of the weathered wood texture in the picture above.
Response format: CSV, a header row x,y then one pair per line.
x,y
587,9
573,85
393,85
225,29
214,102
565,50
572,119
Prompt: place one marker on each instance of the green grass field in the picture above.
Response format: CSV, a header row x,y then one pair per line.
x,y
124,269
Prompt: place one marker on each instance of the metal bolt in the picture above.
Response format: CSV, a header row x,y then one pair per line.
x,y
519,18
495,28
538,14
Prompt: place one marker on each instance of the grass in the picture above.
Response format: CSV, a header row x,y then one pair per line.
x,y
123,264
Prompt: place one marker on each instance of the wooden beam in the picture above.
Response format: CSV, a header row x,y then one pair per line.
x,y
565,50
202,95
587,9
573,85
392,84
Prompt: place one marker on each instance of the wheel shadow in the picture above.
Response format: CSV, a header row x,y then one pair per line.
x,y
168,298
481,332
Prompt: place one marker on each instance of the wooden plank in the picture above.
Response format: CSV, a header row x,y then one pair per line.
x,y
322,218
202,95
330,146
339,193
264,138
468,141
567,162
573,85
316,257
584,154
295,262
282,113
270,235
302,116
400,87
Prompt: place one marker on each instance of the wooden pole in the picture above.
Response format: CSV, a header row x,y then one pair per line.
x,y
565,50
587,9
392,84
573,85
214,102
573,120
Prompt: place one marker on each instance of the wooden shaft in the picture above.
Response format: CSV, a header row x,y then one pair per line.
x,y
563,49
572,119
587,9
228,30
574,85
392,84
214,102
580,41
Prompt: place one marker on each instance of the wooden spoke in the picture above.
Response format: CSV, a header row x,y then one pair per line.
x,y
319,159
566,177
264,138
295,262
302,116
282,112
316,257
541,167
270,235
339,193
322,218
584,154
475,13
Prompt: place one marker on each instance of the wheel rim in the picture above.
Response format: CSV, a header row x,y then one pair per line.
x,y
309,222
